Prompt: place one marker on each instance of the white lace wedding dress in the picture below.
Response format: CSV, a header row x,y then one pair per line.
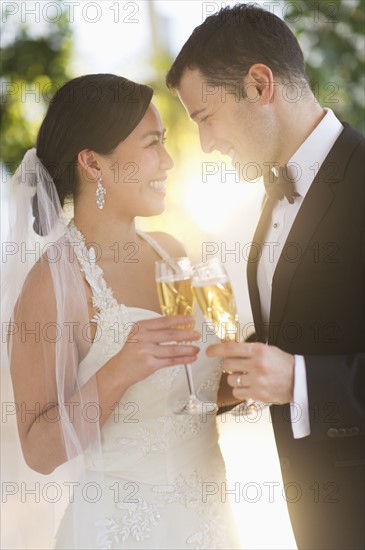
x,y
162,473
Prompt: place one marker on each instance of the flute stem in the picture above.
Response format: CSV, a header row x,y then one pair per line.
x,y
190,380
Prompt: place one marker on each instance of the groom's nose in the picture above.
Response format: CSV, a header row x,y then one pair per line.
x,y
206,140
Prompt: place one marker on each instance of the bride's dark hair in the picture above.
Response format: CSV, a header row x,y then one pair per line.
x,y
95,111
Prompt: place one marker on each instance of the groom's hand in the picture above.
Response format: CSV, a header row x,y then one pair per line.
x,y
257,371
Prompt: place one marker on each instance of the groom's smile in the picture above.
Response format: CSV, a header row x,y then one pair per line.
x,y
233,123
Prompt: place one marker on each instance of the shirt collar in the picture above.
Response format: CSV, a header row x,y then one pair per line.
x,y
307,160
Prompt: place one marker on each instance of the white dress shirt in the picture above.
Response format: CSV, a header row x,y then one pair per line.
x,y
302,167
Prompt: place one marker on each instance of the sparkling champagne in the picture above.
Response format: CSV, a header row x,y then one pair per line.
x,y
216,300
176,297
174,279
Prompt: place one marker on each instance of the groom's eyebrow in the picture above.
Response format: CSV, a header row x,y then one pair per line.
x,y
194,114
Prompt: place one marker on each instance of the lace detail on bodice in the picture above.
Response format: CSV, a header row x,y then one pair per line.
x,y
189,492
112,319
212,383
168,430
166,380
136,520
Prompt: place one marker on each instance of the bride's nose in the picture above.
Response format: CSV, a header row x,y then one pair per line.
x,y
166,160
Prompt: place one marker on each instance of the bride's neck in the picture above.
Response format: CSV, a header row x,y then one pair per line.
x,y
104,229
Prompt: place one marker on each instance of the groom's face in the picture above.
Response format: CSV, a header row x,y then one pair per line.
x,y
229,123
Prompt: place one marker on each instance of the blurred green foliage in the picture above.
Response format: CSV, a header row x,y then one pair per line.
x,y
32,70
331,34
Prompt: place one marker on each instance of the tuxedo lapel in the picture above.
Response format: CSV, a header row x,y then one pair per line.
x,y
315,205
253,260
312,211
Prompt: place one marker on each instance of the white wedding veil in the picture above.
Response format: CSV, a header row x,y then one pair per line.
x,y
45,334
36,254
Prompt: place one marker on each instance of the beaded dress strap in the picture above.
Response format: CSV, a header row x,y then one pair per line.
x,y
102,294
155,245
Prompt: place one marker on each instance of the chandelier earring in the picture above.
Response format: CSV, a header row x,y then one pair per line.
x,y
100,193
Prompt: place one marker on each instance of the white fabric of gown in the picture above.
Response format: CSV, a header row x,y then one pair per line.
x,y
161,473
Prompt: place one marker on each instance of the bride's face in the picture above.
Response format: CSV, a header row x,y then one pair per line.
x,y
135,174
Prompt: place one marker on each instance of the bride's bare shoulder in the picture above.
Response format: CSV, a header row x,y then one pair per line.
x,y
169,243
57,261
37,293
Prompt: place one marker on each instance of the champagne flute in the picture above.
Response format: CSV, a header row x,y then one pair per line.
x,y
173,278
215,297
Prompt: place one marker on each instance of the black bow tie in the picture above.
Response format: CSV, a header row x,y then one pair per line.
x,y
280,186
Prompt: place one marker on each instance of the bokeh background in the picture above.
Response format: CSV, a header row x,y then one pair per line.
x,y
45,43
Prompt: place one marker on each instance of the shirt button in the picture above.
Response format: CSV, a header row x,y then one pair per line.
x,y
275,225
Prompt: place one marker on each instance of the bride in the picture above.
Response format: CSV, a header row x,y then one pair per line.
x,y
93,363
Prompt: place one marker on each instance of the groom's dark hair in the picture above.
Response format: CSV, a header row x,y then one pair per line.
x,y
228,43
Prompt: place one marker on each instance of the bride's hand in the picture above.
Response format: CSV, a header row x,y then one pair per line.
x,y
154,344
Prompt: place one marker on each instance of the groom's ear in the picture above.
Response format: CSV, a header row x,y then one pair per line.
x,y
88,163
260,84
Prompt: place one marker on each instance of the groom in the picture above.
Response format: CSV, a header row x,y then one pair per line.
x,y
241,78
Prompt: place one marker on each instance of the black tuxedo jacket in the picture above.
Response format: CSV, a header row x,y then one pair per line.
x,y
318,311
